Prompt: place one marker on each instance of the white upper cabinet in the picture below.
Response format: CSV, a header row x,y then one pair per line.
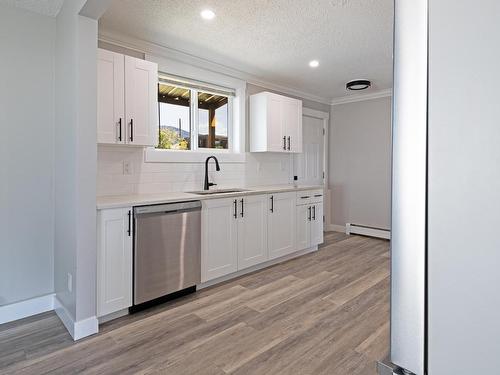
x,y
110,97
275,123
141,101
127,103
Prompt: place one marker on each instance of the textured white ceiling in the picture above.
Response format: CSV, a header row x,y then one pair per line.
x,y
272,39
45,7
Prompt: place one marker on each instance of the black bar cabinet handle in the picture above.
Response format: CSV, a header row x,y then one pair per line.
x,y
289,142
129,230
242,202
284,142
131,130
120,131
314,212
235,209
309,215
272,203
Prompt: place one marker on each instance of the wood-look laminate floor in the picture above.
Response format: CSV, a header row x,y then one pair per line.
x,y
323,313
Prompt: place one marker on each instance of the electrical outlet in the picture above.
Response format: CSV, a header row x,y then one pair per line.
x,y
70,282
127,167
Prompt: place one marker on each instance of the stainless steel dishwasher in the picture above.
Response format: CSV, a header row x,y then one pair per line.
x,y
167,246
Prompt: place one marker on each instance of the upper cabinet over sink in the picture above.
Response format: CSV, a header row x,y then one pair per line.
x,y
275,123
127,102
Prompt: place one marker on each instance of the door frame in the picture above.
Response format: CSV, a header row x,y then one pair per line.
x,y
325,117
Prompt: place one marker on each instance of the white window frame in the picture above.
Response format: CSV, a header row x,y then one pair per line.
x,y
235,153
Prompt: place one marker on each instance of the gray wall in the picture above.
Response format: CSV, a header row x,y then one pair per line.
x,y
76,158
26,154
360,161
464,187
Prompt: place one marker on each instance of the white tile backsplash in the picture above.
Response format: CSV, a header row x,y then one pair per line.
x,y
152,178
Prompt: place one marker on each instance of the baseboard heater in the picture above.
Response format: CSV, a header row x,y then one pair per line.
x,y
364,230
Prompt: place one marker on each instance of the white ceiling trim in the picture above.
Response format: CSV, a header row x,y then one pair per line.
x,y
362,97
145,47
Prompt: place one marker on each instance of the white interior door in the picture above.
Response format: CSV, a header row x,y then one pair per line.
x,y
309,165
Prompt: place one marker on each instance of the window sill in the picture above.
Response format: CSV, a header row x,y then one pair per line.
x,y
153,155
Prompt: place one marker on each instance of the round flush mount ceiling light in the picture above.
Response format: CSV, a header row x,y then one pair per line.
x,y
207,14
358,84
314,63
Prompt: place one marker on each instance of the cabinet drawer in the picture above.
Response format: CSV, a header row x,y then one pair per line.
x,y
309,196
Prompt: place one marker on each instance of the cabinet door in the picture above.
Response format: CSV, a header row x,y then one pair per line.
x,y
281,224
252,230
303,228
114,261
317,224
110,97
275,125
292,119
219,252
141,101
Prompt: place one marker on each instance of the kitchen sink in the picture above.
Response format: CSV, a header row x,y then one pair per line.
x,y
218,191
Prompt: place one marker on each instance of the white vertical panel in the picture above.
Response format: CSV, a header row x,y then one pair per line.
x,y
409,179
464,187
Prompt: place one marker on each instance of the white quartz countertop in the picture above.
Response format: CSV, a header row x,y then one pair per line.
x,y
117,201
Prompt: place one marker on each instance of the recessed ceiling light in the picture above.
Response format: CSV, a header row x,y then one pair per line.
x,y
207,14
314,63
358,84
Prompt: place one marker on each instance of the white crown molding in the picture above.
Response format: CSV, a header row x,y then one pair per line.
x,y
145,47
362,97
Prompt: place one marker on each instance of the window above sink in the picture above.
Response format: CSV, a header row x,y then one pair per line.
x,y
200,113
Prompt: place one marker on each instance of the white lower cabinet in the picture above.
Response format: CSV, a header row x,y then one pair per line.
x,y
309,230
317,224
241,232
252,231
114,260
281,226
219,245
234,235
303,232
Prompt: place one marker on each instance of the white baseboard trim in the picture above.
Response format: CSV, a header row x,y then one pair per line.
x,y
77,329
23,309
256,267
335,228
367,231
112,316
